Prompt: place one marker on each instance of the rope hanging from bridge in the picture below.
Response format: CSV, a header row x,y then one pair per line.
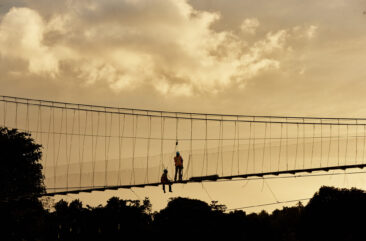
x,y
249,146
120,145
148,150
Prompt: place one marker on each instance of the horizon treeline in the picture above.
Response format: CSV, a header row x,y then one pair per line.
x,y
331,214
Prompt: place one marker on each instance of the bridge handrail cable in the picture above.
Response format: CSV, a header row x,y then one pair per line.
x,y
183,115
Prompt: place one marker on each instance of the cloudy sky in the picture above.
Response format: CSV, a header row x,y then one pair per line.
x,y
282,57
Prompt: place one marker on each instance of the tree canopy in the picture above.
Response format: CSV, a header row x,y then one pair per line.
x,y
21,171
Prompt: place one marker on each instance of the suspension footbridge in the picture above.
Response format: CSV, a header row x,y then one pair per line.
x,y
95,148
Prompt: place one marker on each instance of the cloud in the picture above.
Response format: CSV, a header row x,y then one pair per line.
x,y
21,35
311,31
249,25
308,32
165,44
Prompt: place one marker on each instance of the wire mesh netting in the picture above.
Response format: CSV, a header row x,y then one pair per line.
x,y
86,146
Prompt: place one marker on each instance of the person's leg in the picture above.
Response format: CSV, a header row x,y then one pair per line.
x,y
164,187
170,187
180,173
176,171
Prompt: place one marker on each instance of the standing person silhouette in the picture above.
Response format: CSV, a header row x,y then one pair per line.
x,y
178,160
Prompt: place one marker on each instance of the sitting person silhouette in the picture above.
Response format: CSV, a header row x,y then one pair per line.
x,y
165,180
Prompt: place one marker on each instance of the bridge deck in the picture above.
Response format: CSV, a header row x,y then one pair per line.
x,y
211,178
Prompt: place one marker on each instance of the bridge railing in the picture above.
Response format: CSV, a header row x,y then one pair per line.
x,y
96,146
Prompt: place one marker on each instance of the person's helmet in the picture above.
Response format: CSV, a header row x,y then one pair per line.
x,y
165,171
177,153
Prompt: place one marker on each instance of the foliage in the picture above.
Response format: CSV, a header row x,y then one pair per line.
x,y
21,181
20,172
117,219
332,214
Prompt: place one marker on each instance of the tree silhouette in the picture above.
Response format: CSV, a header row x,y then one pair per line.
x,y
114,221
20,172
21,181
186,218
334,214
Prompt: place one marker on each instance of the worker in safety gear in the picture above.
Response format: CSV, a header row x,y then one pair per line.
x,y
178,160
165,180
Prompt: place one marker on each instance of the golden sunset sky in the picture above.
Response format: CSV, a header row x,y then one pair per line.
x,y
285,57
